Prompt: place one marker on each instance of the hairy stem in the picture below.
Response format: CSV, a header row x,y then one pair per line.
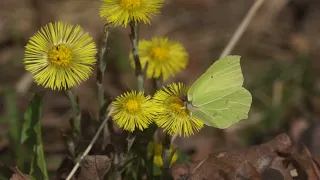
x,y
100,71
76,120
134,36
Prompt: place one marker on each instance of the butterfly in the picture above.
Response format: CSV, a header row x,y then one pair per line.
x,y
217,98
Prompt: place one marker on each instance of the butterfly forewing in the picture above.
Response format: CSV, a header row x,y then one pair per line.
x,y
223,74
218,97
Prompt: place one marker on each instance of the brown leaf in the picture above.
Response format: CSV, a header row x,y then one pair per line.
x,y
272,174
251,171
305,164
178,171
317,161
64,169
18,177
94,167
283,172
250,162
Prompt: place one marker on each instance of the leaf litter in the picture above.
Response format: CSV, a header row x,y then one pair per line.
x,y
272,160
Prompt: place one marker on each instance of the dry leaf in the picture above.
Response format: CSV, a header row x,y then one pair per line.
x,y
94,167
18,177
238,164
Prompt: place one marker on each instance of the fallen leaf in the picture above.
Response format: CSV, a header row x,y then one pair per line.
x,y
236,164
18,177
94,167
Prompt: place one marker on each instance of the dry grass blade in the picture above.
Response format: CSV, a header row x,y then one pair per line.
x,y
235,38
242,27
199,165
93,141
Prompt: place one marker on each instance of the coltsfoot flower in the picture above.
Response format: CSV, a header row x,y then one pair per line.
x,y
157,150
163,57
122,12
133,110
60,56
172,115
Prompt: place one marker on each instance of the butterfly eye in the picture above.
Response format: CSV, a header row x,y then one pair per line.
x,y
184,98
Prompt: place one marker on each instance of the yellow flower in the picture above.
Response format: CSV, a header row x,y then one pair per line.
x,y
133,110
121,12
172,115
157,149
162,56
60,56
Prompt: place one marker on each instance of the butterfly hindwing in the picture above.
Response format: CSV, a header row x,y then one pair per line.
x,y
225,111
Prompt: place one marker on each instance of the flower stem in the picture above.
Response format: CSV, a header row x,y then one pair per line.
x,y
167,156
101,69
157,83
76,120
130,140
134,36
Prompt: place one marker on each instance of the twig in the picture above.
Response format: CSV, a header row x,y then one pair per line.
x,y
134,36
204,160
94,139
242,27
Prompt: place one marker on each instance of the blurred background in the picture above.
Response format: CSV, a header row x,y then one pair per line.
x,y
280,58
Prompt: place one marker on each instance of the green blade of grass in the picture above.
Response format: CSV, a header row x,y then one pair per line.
x,y
31,137
14,127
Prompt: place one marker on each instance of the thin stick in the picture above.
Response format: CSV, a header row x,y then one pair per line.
x,y
233,41
75,168
200,163
242,27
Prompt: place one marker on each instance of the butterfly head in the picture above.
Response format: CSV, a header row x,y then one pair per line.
x,y
184,99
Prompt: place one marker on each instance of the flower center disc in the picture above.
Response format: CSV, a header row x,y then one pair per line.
x,y
60,56
159,53
130,4
132,106
177,105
